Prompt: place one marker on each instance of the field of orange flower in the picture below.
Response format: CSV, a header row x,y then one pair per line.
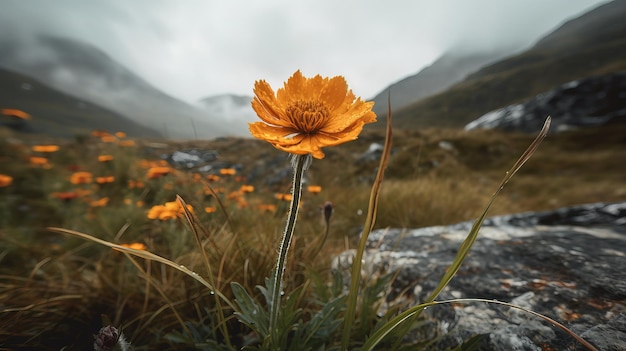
x,y
56,288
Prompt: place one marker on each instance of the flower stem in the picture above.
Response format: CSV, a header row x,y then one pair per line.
x,y
299,166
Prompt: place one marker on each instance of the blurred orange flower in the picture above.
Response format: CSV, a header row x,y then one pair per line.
x,y
81,178
105,158
108,138
99,133
234,195
156,172
65,195
5,180
135,184
136,246
284,197
15,113
241,202
247,188
105,180
126,143
168,210
45,148
308,114
210,209
228,171
212,177
314,189
266,208
120,135
35,160
100,202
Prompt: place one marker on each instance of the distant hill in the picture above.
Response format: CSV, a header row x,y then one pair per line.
x,y
450,68
58,114
592,44
83,70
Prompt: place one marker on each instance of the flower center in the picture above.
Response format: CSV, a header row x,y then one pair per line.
x,y
308,117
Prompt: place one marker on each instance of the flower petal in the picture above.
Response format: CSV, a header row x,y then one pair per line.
x,y
360,111
307,145
299,87
273,134
265,104
334,92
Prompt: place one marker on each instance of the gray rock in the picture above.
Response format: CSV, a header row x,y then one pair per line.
x,y
191,158
591,101
568,264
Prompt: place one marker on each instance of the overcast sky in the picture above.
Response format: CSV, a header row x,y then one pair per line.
x,y
197,48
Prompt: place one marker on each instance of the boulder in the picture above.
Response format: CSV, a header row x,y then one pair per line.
x,y
568,264
592,101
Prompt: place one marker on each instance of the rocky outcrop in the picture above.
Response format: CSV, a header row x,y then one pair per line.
x,y
586,102
569,265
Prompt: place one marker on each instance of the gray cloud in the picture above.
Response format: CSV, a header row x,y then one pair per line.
x,y
192,49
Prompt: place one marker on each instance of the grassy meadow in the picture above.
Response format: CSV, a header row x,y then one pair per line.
x,y
55,288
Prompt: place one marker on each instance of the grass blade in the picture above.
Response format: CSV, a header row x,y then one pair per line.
x,y
473,234
463,250
370,219
146,255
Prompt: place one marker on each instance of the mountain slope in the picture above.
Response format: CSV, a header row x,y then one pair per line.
x,y
85,71
448,69
58,114
592,44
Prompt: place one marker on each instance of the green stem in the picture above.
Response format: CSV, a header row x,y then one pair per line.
x,y
299,168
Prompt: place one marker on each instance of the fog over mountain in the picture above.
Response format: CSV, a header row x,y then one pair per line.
x,y
235,110
82,70
194,49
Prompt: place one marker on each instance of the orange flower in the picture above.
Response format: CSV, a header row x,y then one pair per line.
x,y
266,208
108,138
99,133
66,195
81,178
314,189
105,158
169,210
308,114
135,184
104,180
100,203
212,177
120,135
247,188
136,246
234,195
284,197
34,160
228,171
156,172
210,209
45,148
126,143
5,180
15,113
